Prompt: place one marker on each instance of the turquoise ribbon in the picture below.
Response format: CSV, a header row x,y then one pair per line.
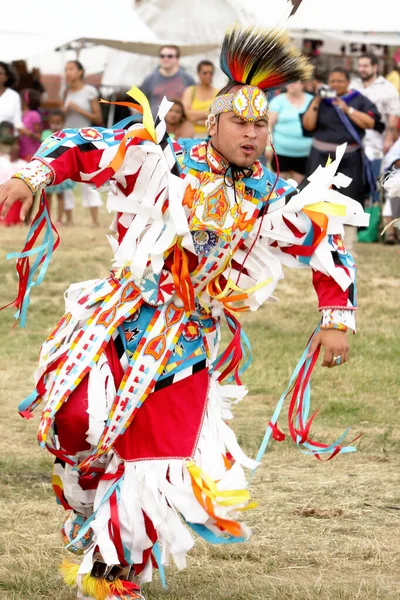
x,y
305,447
85,528
210,537
44,253
157,556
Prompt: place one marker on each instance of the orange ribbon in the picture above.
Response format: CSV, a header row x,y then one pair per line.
x,y
182,281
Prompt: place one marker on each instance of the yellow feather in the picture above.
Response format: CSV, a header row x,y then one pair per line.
x,y
99,589
119,586
69,572
96,588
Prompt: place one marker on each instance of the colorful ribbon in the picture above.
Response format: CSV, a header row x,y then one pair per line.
x,y
298,415
27,272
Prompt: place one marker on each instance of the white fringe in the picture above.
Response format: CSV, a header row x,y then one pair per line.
x,y
392,183
163,490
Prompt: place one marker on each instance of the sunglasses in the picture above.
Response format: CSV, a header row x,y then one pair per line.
x,y
168,56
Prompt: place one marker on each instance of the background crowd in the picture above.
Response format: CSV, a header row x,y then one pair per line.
x,y
307,123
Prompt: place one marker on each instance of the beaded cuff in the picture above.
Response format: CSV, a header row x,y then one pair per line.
x,y
36,174
341,319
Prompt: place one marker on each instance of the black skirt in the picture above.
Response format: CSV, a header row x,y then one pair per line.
x,y
290,163
352,165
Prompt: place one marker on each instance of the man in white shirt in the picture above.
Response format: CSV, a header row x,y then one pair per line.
x,y
385,97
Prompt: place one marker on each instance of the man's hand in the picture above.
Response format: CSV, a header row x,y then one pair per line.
x,y
11,192
335,344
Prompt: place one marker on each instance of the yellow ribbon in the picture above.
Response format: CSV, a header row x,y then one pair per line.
x,y
148,120
328,208
242,294
209,488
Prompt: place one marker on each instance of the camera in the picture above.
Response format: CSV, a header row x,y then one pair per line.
x,y
326,92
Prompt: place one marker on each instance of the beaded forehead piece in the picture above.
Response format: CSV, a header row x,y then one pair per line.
x,y
249,103
258,60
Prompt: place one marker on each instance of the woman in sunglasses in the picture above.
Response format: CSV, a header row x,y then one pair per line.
x,y
197,99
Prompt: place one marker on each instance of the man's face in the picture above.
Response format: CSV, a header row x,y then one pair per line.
x,y
239,141
168,58
366,69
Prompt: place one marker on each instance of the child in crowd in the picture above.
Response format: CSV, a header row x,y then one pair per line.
x,y
178,125
9,164
62,191
32,124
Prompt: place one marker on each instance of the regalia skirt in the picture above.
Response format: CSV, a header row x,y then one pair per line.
x,y
144,455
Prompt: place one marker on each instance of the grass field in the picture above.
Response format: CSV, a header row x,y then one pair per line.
x,y
328,530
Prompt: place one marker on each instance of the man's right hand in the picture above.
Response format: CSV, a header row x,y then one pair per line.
x,y
13,191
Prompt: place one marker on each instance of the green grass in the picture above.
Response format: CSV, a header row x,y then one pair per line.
x,y
327,530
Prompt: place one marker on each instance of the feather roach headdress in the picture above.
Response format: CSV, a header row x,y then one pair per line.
x,y
260,60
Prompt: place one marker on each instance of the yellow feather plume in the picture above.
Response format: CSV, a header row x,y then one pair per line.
x,y
69,572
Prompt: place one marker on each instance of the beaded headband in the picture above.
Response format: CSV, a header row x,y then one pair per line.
x,y
249,103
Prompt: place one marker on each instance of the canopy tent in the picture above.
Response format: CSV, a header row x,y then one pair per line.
x,y
198,22
346,21
93,28
108,38
341,18
142,48
33,30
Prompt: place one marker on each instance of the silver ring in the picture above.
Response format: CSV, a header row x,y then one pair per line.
x,y
337,360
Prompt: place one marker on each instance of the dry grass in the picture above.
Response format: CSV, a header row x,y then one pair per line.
x,y
322,529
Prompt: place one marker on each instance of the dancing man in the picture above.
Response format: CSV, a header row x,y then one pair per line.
x,y
131,378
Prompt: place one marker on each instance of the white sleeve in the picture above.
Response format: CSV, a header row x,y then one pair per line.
x,y
17,117
92,93
393,103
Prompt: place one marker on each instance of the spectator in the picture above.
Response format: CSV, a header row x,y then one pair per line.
x,y
341,118
62,191
26,79
178,125
319,77
10,102
394,76
167,80
32,124
9,164
386,98
290,144
80,100
82,110
391,209
197,99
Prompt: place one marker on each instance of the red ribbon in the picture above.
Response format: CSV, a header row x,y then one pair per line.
x,y
23,265
234,348
114,524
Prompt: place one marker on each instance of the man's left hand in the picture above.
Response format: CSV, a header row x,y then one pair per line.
x,y
335,344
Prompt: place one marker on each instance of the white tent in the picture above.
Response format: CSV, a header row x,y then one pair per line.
x,y
97,29
188,21
341,20
32,30
205,21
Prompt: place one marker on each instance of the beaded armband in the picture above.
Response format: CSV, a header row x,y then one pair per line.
x,y
36,174
341,319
